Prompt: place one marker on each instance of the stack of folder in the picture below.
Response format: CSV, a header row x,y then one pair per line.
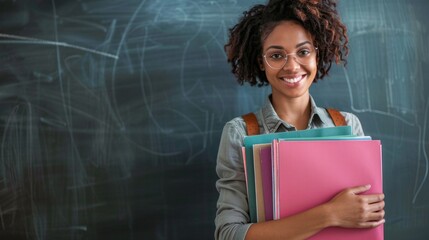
x,y
290,172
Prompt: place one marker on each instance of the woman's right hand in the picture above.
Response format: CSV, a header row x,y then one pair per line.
x,y
352,209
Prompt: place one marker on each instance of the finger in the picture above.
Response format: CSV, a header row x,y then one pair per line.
x,y
360,189
374,198
372,224
376,216
375,207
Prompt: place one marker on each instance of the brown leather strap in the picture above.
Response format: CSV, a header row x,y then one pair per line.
x,y
252,125
337,117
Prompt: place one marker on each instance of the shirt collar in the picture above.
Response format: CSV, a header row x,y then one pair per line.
x,y
273,123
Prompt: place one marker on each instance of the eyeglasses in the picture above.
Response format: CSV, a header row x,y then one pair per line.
x,y
277,58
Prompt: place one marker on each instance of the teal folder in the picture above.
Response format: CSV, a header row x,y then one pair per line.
x,y
268,138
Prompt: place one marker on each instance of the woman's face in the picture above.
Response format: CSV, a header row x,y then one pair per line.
x,y
293,79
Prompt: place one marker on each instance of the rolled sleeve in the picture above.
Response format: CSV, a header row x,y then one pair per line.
x,y
232,218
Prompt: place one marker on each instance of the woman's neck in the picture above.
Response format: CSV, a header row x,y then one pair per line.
x,y
295,111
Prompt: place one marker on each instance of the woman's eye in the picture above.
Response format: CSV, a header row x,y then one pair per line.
x,y
277,56
303,52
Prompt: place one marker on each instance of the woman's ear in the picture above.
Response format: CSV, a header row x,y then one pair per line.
x,y
261,64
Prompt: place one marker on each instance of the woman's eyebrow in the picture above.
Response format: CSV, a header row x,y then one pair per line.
x,y
303,43
296,46
275,47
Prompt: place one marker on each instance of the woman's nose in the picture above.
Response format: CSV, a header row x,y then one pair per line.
x,y
291,63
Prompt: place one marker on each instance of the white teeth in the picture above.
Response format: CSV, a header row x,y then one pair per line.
x,y
292,80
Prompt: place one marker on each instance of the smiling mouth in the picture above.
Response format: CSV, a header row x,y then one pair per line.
x,y
293,80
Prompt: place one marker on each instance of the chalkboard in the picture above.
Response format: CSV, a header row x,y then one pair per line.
x,y
111,113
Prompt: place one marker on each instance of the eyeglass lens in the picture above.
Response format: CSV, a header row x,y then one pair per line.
x,y
277,58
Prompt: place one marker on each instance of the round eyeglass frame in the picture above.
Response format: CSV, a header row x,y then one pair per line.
x,y
286,58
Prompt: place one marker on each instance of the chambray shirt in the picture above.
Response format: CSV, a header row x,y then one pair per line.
x,y
232,216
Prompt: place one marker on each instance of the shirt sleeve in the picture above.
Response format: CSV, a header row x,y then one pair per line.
x,y
232,215
353,121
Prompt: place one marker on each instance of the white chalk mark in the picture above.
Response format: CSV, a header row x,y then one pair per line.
x,y
89,24
79,228
369,109
115,63
27,40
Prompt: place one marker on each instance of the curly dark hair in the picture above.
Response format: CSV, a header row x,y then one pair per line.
x,y
319,17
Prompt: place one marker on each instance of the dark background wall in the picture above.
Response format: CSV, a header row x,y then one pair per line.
x,y
111,113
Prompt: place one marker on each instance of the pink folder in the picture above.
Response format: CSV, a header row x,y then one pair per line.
x,y
308,173
267,181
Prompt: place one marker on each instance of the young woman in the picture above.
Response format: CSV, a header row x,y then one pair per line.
x,y
288,44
